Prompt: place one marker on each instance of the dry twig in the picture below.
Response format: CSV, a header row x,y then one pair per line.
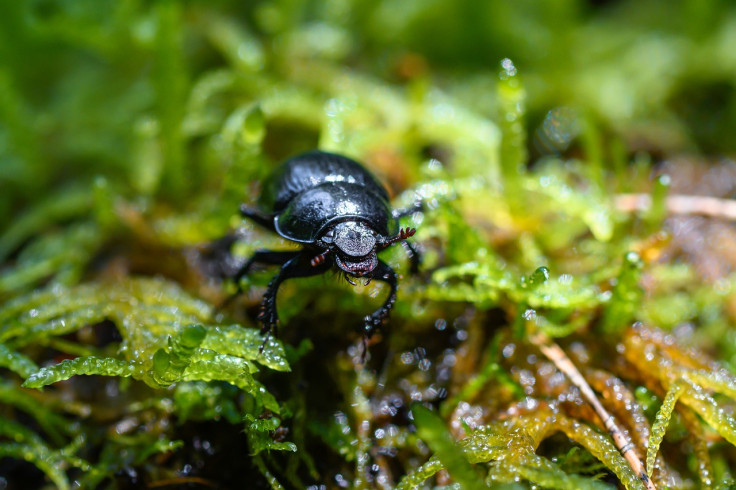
x,y
680,204
555,354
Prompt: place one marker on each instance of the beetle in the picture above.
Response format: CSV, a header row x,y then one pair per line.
x,y
341,215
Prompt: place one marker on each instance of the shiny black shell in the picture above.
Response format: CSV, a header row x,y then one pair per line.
x,y
308,192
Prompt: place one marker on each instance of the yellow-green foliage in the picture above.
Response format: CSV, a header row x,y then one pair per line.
x,y
660,424
690,381
30,447
16,362
510,447
131,131
161,343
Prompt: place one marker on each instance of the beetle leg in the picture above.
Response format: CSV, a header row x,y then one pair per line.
x,y
216,260
257,216
259,257
268,257
298,266
382,272
416,207
415,257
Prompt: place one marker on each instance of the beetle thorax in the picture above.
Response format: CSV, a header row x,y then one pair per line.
x,y
355,245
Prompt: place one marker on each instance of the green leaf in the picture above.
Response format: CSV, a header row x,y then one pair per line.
x,y
432,429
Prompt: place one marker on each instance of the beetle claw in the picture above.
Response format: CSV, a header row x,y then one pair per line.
x,y
268,317
265,341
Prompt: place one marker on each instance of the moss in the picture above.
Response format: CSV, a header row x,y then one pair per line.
x,y
130,133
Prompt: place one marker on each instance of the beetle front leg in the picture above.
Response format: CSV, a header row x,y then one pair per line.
x,y
415,257
257,216
416,207
269,257
299,266
382,272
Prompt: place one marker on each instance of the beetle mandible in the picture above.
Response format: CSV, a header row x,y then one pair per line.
x,y
341,215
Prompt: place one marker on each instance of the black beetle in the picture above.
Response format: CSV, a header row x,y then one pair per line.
x,y
341,214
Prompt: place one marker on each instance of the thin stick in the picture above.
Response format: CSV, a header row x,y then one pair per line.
x,y
555,354
182,480
680,204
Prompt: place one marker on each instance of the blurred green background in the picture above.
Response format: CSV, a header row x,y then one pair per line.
x,y
130,90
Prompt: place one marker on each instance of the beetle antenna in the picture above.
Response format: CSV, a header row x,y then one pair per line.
x,y
319,259
403,234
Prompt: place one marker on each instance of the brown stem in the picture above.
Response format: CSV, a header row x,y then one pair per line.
x,y
680,204
555,354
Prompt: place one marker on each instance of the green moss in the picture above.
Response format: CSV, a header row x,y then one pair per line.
x,y
16,362
130,132
625,297
431,429
660,424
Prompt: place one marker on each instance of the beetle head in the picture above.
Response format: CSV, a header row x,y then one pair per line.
x,y
354,244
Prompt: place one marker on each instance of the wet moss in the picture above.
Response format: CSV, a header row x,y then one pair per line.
x,y
130,133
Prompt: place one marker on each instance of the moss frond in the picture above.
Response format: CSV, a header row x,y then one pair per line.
x,y
431,428
146,311
246,343
626,295
660,423
669,366
509,449
62,255
45,459
200,400
261,435
16,362
489,279
29,446
491,444
79,366
64,204
53,424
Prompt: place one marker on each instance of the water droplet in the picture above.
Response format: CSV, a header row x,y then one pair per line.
x,y
508,69
509,350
